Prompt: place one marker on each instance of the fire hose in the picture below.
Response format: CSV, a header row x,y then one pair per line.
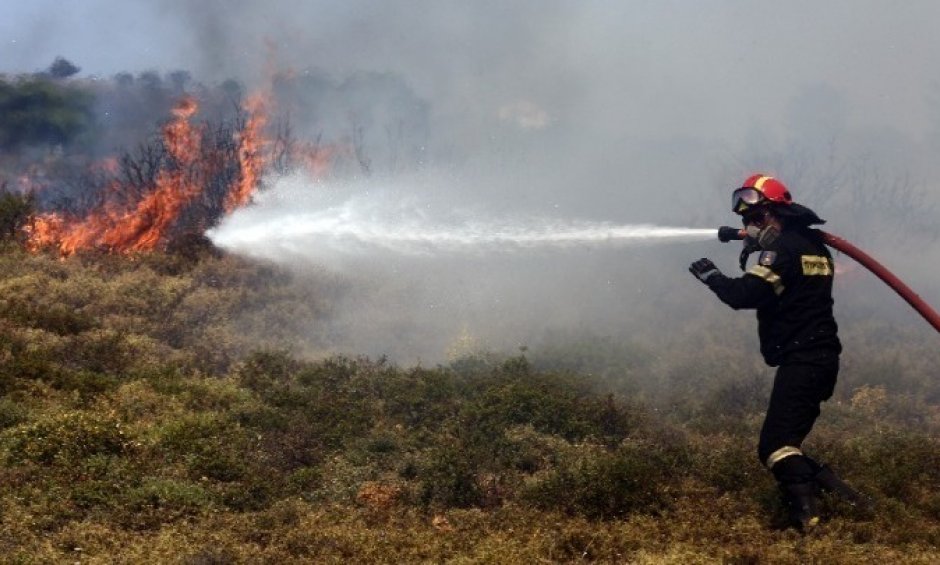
x,y
933,318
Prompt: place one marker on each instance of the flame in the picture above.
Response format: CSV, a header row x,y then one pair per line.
x,y
44,231
251,158
316,159
144,226
187,171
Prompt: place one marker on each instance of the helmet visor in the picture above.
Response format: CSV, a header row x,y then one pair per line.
x,y
744,198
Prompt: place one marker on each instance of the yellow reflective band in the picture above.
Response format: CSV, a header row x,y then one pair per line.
x,y
759,184
781,454
766,274
816,265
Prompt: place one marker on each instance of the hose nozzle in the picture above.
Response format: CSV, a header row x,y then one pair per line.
x,y
728,233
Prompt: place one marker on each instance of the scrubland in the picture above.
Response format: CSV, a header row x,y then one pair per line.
x,y
164,408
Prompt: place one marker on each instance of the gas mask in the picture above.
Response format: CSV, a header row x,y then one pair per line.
x,y
757,239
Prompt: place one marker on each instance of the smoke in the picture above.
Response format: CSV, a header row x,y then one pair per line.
x,y
502,116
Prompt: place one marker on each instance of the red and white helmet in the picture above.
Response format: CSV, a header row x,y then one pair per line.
x,y
758,190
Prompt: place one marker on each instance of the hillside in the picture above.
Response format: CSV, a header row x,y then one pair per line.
x,y
164,408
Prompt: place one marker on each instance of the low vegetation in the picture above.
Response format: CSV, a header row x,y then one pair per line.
x,y
161,408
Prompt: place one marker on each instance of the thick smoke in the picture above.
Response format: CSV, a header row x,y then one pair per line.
x,y
630,113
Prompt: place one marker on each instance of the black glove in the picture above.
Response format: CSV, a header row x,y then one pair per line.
x,y
704,269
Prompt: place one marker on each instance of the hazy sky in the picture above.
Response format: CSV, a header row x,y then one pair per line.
x,y
666,67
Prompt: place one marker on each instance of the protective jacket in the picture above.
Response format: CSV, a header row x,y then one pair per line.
x,y
791,288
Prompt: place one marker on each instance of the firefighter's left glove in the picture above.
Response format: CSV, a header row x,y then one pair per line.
x,y
704,269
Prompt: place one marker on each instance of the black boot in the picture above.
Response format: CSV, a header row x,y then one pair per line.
x,y
801,504
828,481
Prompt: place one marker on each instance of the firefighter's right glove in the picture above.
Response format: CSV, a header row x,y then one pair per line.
x,y
704,269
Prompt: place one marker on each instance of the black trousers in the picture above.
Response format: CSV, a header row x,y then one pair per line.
x,y
799,389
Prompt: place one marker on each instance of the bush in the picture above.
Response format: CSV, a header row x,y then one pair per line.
x,y
157,501
11,413
597,483
15,211
561,405
897,464
210,445
447,479
65,439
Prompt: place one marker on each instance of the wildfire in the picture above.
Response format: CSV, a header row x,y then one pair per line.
x,y
184,175
142,227
195,171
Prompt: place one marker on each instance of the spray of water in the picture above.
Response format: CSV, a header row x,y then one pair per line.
x,y
422,272
368,224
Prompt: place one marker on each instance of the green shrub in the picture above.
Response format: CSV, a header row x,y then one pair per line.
x,y
447,479
15,211
597,483
157,501
261,370
101,480
56,318
897,464
88,384
11,413
65,439
419,397
552,404
210,445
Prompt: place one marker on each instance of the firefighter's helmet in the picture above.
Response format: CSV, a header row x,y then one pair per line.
x,y
759,190
763,191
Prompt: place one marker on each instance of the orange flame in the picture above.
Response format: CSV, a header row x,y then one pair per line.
x,y
317,159
251,157
143,227
145,224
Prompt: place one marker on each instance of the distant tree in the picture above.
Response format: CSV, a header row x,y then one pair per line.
x,y
43,112
233,89
62,68
150,80
180,79
124,79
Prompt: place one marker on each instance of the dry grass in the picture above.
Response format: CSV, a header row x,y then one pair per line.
x,y
135,429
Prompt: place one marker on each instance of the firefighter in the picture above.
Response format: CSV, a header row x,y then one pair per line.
x,y
790,286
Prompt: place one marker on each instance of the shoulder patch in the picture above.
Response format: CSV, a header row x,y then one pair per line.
x,y
767,258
